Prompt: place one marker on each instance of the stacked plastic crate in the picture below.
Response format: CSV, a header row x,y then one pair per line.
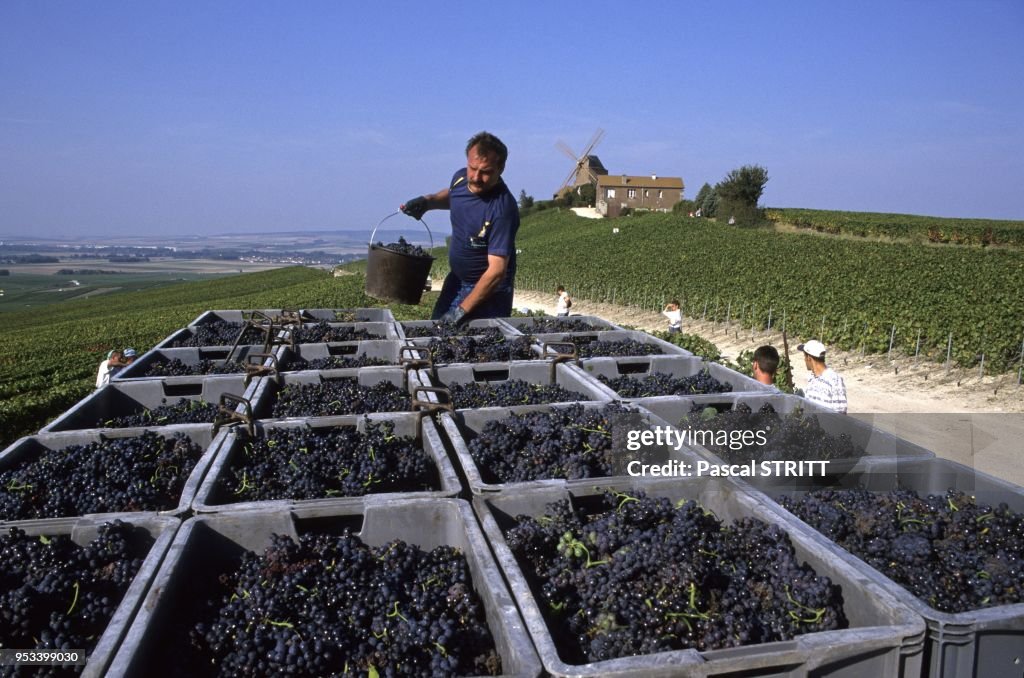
x,y
485,425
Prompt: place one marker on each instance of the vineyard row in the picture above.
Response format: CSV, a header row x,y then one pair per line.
x,y
850,293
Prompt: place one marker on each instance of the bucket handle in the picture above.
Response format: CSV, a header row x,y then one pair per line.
x,y
399,212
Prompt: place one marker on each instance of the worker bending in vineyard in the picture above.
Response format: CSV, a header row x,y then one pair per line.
x,y
485,219
109,367
824,386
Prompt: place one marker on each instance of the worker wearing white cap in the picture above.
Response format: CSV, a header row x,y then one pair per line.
x,y
824,386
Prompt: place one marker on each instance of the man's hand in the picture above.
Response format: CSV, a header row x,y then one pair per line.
x,y
455,316
415,207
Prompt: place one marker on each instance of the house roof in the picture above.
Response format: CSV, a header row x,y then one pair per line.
x,y
644,181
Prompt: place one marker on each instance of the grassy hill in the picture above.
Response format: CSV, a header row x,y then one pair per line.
x,y
913,227
849,292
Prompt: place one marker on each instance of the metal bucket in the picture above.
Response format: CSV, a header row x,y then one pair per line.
x,y
393,276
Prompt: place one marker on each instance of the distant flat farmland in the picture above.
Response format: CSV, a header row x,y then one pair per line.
x,y
205,266
38,285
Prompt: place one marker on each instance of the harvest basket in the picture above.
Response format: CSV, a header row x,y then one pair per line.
x,y
394,276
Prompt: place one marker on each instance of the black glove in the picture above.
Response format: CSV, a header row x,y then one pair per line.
x,y
455,316
416,207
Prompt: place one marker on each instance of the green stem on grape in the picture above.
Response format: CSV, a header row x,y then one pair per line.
x,y
75,600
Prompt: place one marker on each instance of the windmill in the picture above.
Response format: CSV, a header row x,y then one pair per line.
x,y
587,167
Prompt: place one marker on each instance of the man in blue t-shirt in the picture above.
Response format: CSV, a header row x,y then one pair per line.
x,y
485,218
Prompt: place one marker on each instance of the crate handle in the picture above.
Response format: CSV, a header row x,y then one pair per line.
x,y
254,369
560,356
425,407
227,416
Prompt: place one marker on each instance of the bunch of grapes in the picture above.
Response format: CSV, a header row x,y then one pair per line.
x,y
660,384
542,325
339,396
322,332
331,605
334,362
592,347
798,436
56,595
509,393
176,368
403,247
219,333
141,473
951,552
490,345
437,329
184,411
299,464
570,442
640,575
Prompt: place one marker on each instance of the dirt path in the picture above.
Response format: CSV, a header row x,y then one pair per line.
x,y
978,421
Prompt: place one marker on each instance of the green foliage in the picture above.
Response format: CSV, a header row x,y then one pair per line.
x,y
981,232
856,290
743,186
693,343
525,201
709,208
685,206
702,194
540,206
49,360
744,215
529,313
583,196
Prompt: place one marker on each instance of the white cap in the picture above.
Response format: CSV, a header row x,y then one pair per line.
x,y
813,348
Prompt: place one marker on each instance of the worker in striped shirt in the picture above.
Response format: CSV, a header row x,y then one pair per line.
x,y
824,386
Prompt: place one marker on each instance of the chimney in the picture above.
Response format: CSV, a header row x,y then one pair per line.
x,y
623,179
654,177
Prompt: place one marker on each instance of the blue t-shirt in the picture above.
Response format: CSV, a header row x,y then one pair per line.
x,y
481,224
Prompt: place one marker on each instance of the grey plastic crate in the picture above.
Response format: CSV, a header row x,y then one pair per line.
x,y
885,637
533,324
875,442
536,373
472,327
207,546
580,339
265,395
28,449
189,356
123,398
383,349
361,315
152,535
211,497
987,643
464,425
675,366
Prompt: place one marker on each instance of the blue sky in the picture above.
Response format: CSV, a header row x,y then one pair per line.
x,y
210,117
